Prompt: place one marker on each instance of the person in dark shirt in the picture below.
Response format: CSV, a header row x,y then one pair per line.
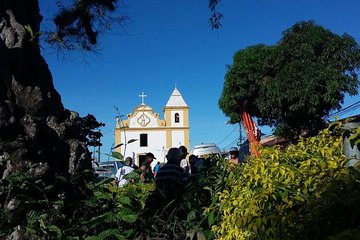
x,y
170,186
192,160
171,178
146,172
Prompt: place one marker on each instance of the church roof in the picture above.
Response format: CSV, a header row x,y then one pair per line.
x,y
176,100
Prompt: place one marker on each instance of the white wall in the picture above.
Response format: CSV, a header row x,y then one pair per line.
x,y
156,143
177,138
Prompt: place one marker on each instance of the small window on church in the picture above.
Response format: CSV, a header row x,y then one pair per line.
x,y
177,118
143,140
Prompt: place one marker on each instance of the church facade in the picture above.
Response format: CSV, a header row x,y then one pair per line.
x,y
145,131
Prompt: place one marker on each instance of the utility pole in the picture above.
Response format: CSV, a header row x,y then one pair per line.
x,y
99,148
121,123
240,136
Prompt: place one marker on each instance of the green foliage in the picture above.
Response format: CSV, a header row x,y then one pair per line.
x,y
185,216
355,138
244,80
117,155
295,83
71,207
304,192
90,130
201,199
353,134
32,36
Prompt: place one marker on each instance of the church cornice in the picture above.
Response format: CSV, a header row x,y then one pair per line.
x,y
176,107
136,129
143,108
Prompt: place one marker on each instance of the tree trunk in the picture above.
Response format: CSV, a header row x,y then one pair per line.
x,y
37,135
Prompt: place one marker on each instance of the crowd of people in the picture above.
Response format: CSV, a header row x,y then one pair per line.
x,y
172,177
176,165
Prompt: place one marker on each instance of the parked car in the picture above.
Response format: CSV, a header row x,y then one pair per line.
x,y
203,150
107,169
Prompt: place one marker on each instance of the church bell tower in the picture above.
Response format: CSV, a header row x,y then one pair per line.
x,y
176,115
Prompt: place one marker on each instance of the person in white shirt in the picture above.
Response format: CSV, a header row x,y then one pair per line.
x,y
184,162
123,171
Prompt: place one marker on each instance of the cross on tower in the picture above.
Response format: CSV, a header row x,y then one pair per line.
x,y
142,98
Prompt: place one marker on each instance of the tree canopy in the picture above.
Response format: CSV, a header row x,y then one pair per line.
x,y
295,83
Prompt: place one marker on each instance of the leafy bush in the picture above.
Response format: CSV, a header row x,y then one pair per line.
x,y
202,199
185,216
70,208
304,192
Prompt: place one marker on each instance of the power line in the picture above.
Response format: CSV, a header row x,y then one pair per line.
x,y
345,110
232,143
227,136
350,106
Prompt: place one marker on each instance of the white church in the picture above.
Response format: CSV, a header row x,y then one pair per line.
x,y
144,131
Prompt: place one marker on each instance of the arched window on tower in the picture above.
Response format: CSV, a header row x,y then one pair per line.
x,y
177,118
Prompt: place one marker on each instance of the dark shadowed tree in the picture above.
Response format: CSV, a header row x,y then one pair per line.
x,y
215,17
90,130
294,84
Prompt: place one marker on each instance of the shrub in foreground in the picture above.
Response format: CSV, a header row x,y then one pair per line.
x,y
304,192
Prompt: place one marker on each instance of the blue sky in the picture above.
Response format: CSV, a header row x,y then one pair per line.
x,y
170,42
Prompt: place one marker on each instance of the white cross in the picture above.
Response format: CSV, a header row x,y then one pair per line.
x,y
142,98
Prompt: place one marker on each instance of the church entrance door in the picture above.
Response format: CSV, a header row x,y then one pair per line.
x,y
141,159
